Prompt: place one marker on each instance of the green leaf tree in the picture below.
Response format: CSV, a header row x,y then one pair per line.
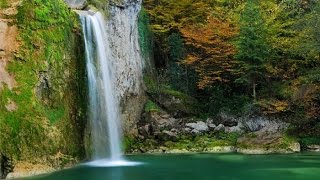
x,y
252,46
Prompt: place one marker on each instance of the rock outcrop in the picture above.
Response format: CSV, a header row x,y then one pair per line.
x,y
76,4
197,127
9,45
262,142
313,148
41,75
128,65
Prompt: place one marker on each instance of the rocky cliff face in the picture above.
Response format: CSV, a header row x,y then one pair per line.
x,y
122,28
42,108
9,44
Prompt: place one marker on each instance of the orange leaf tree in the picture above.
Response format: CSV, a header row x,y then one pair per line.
x,y
209,50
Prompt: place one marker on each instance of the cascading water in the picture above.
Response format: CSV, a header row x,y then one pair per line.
x,y
103,105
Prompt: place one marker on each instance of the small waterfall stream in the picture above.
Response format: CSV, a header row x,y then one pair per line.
x,y
103,105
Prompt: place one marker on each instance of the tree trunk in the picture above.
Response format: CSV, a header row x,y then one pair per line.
x,y
254,93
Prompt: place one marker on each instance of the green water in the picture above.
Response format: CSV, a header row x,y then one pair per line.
x,y
202,167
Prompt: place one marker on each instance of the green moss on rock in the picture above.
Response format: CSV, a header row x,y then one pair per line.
x,y
187,143
3,4
151,107
50,78
263,143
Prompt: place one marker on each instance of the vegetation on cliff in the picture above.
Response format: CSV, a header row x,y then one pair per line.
x,y
48,68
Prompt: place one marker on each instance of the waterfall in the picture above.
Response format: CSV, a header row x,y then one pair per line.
x,y
103,104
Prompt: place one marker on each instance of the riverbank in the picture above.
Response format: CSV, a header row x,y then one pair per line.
x,y
25,169
34,167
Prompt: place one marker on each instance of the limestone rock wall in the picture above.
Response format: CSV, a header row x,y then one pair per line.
x,y
122,27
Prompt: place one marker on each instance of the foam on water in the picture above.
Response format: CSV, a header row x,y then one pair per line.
x,y
109,163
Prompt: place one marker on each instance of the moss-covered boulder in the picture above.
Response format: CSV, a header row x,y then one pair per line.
x,y
266,143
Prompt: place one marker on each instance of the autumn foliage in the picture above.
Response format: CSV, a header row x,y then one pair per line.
x,y
210,51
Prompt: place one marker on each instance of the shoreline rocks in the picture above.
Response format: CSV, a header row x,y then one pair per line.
x,y
24,169
225,149
221,149
313,148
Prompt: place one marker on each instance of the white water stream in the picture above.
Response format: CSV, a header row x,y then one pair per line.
x,y
103,104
